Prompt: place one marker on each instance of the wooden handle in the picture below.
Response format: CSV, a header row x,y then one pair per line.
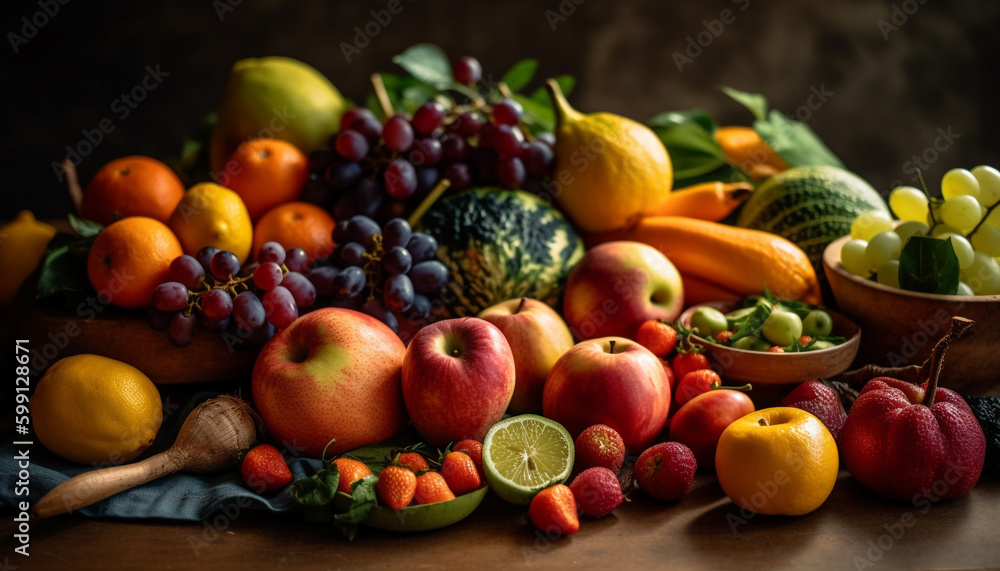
x,y
81,491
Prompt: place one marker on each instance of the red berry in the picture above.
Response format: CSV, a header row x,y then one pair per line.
x,y
821,401
553,511
413,460
350,472
264,470
460,472
666,470
597,492
600,445
659,337
431,488
396,487
474,449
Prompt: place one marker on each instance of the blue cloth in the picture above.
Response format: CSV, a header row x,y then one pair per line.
x,y
181,496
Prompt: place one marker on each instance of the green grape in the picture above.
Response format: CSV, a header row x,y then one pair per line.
x,y
908,203
964,289
962,212
888,274
962,247
883,247
852,257
989,184
911,228
942,229
994,218
959,182
983,275
987,240
870,223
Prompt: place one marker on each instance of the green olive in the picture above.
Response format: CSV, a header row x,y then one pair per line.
x,y
708,321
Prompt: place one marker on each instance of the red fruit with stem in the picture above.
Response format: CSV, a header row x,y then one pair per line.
x,y
700,382
684,363
822,402
699,423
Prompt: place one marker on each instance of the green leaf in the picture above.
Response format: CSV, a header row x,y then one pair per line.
x,y
426,62
696,116
794,141
755,102
85,228
64,266
539,116
518,76
363,501
315,494
416,95
751,323
928,265
541,95
688,138
375,456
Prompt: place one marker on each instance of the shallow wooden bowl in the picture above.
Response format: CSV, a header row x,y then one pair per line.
x,y
902,326
763,368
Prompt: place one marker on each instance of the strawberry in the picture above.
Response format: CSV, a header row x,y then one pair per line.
x,y
460,472
600,445
666,470
723,336
431,487
684,363
553,511
822,402
775,349
413,460
264,470
350,472
396,486
597,492
657,336
474,449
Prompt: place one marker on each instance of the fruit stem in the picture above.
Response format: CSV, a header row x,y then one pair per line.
x,y
762,422
73,184
716,386
520,306
428,201
982,220
611,345
959,326
563,109
382,95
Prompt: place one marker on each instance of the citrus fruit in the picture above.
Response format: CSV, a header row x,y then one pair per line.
x,y
777,461
213,215
130,258
92,409
22,243
523,455
745,150
131,186
266,173
296,225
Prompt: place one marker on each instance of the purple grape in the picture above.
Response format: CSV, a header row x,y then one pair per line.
x,y
342,175
296,260
369,127
453,148
280,308
483,163
400,179
267,276
363,230
467,124
547,138
458,175
341,232
216,304
351,145
537,158
258,337
204,257
248,311
427,179
398,134
170,296
422,247
467,70
320,159
421,307
247,270
349,282
368,197
507,112
158,320
301,289
322,279
486,135
316,191
209,324
352,254
397,260
510,172
271,252
425,153
429,276
396,232
377,309
397,293
224,265
506,142
352,115
428,117
181,329
188,271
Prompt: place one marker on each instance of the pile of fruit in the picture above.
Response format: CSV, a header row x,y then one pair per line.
x,y
461,287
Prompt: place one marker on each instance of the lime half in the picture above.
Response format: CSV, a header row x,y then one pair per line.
x,y
523,455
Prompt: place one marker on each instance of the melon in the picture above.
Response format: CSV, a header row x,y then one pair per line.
x,y
499,245
811,206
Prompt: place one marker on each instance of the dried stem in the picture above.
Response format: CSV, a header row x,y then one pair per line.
x,y
73,184
382,95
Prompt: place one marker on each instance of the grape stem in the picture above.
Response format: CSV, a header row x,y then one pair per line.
x,y
982,220
382,95
428,201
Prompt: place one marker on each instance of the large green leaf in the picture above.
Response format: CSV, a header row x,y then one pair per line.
x,y
755,102
929,265
518,76
794,141
64,267
426,62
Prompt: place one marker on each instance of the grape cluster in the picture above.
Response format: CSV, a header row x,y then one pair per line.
x,y
212,288
382,170
968,213
388,272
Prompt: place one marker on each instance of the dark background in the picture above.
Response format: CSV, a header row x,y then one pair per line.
x,y
892,97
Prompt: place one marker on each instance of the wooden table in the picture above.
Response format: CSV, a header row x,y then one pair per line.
x,y
704,531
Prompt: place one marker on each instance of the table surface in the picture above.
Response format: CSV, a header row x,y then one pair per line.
x,y
854,529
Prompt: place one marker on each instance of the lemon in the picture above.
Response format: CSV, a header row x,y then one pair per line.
x,y
22,244
92,409
612,170
523,455
213,215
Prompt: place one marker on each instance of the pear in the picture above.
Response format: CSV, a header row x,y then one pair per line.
x,y
610,170
275,97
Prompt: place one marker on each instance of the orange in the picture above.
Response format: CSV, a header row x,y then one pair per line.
x,y
745,150
130,258
131,186
296,225
777,461
265,173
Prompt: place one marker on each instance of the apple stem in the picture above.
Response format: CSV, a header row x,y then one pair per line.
x,y
959,326
612,345
716,386
520,306
762,422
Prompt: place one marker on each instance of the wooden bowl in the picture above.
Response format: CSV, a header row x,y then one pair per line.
x,y
902,326
763,368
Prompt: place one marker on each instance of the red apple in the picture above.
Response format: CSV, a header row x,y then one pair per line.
x,y
702,420
612,381
537,338
458,378
332,373
619,285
